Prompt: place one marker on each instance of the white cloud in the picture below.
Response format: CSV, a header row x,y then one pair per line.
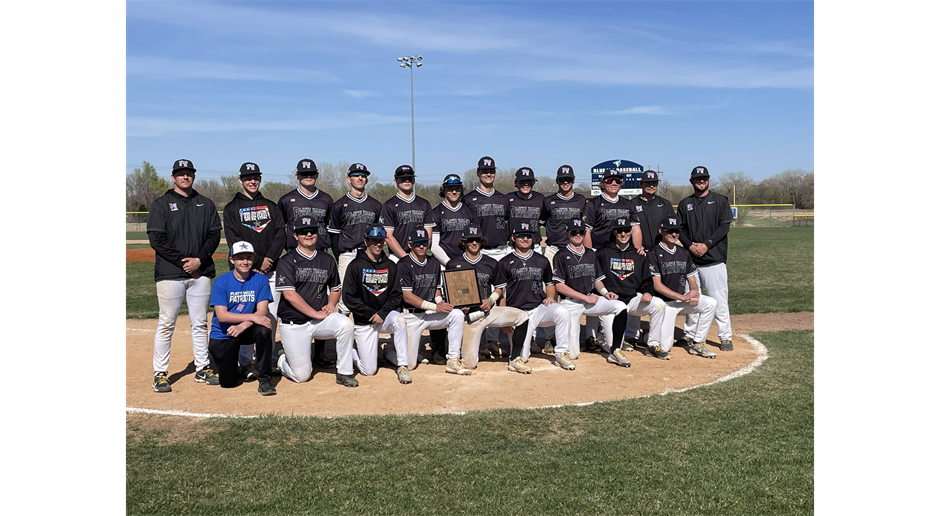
x,y
358,94
156,68
643,110
152,126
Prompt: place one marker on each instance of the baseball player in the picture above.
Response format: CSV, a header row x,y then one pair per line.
x,y
627,274
420,284
352,215
372,291
492,210
674,272
577,274
241,298
526,279
600,212
252,218
449,219
308,200
184,230
404,212
705,217
488,315
525,205
308,281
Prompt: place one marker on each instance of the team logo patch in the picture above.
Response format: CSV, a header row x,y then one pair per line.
x,y
487,163
249,166
239,309
623,268
255,218
376,281
688,207
576,222
473,231
421,233
173,207
672,221
306,220
182,163
639,208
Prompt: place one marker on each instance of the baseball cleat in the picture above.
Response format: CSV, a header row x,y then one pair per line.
x,y
591,345
438,359
266,389
346,380
518,366
161,383
207,376
494,349
618,357
534,348
657,352
627,345
403,375
549,348
563,360
423,359
685,342
455,366
700,350
726,345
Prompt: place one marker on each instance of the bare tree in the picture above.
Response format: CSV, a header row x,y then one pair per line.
x,y
143,187
735,186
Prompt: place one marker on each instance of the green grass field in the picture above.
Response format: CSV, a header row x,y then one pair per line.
x,y
769,270
739,447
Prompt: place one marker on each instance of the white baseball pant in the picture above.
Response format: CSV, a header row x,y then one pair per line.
x,y
366,356
498,317
544,316
245,352
655,309
577,308
297,339
170,295
713,281
417,323
704,313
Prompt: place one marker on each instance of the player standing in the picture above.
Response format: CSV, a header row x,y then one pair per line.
x,y
184,230
600,212
309,284
403,212
705,217
449,219
525,205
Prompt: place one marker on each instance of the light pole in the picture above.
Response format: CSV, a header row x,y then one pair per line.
x,y
411,62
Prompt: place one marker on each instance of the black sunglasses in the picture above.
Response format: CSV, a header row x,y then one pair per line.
x,y
305,232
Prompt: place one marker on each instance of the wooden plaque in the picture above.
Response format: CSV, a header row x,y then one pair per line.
x,y
461,288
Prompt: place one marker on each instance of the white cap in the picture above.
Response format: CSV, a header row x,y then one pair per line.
x,y
241,247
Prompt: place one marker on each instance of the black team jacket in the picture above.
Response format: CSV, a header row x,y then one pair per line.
x,y
371,287
182,227
627,272
257,221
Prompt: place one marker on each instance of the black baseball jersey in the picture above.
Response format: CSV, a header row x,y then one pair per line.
x,y
528,210
402,215
351,218
649,214
312,277
556,212
296,204
182,227
449,223
485,267
673,267
492,211
420,278
706,220
601,212
578,271
257,221
523,279
626,272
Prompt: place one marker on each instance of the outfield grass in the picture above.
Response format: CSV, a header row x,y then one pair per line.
x,y
769,270
739,447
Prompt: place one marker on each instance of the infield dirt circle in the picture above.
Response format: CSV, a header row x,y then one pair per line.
x,y
491,386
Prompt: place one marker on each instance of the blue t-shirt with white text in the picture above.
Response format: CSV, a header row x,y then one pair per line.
x,y
238,297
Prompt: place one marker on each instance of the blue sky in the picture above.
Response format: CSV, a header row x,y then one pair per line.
x,y
670,85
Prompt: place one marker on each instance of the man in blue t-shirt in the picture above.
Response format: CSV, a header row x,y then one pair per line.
x,y
240,299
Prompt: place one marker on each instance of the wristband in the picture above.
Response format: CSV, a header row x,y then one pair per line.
x,y
427,305
603,291
494,297
438,299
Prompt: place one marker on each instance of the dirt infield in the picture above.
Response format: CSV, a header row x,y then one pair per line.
x,y
490,386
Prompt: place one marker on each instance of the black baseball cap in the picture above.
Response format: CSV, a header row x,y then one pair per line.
x,y
670,223
621,224
418,234
404,171
358,168
248,169
486,163
183,164
472,231
611,172
306,166
565,172
650,176
452,180
575,225
306,222
699,172
523,227
525,173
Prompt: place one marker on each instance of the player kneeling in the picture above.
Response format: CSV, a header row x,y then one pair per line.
x,y
487,315
527,279
627,274
240,299
310,290
577,273
372,293
673,272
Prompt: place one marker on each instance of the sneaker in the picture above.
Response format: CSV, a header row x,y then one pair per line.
x,y
534,348
591,345
700,350
455,366
549,348
684,342
207,376
266,389
438,359
322,361
403,375
642,340
485,353
494,349
657,352
160,382
346,380
726,345
618,357
627,345
518,366
563,361
249,373
423,359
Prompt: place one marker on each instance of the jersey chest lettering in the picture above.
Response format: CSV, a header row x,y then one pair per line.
x,y
421,281
410,217
255,218
317,213
614,213
359,217
311,275
562,213
490,210
241,297
526,212
454,224
581,270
